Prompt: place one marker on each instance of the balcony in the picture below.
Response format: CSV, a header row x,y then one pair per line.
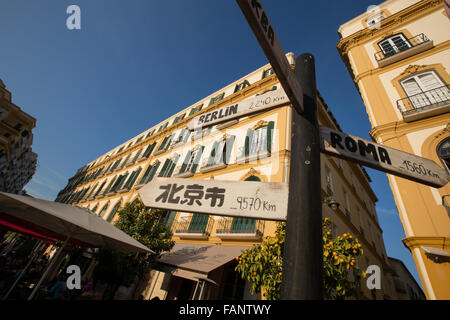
x,y
403,49
240,229
426,104
197,226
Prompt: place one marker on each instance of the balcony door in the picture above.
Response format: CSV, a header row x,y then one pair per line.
x,y
198,223
425,89
394,45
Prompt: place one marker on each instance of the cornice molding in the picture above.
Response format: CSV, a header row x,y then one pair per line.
x,y
388,25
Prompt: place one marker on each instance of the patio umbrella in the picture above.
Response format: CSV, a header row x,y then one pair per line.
x,y
63,222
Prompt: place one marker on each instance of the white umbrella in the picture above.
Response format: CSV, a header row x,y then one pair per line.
x,y
64,222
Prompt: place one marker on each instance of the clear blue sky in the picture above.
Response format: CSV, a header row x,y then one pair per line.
x,y
94,88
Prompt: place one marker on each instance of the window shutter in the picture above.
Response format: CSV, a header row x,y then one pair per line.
x,y
147,172
185,162
228,149
110,185
135,177
173,164
137,155
154,169
197,159
212,155
270,128
248,140
127,185
119,186
163,170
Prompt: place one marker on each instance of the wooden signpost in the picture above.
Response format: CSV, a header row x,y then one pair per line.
x,y
265,101
248,199
268,40
382,158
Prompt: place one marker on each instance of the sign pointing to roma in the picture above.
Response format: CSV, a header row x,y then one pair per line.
x,y
247,199
380,157
262,102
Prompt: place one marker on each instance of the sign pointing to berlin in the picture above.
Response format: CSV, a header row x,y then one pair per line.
x,y
240,109
380,157
268,40
248,199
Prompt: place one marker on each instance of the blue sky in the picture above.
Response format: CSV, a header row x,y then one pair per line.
x,y
94,88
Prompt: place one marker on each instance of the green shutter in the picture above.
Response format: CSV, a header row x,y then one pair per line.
x,y
147,172
113,212
270,128
163,170
119,186
172,166
228,149
248,140
197,159
171,218
154,169
110,185
161,147
185,162
198,223
127,185
212,154
243,225
135,177
137,155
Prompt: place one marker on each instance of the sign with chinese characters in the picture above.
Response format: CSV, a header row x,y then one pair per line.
x,y
380,157
268,40
240,109
246,199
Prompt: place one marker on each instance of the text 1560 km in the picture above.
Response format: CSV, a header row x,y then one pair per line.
x,y
418,168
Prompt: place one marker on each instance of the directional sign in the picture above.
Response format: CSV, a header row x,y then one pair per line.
x,y
240,109
268,40
380,157
247,199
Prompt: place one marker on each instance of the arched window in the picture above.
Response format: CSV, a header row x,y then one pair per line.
x,y
113,212
102,212
443,152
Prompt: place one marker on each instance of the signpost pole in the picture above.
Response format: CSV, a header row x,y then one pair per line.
x,y
302,263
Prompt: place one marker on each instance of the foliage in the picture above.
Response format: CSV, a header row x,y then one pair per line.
x,y
118,268
262,264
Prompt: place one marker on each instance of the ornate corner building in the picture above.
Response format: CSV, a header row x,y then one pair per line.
x,y
251,148
17,160
398,55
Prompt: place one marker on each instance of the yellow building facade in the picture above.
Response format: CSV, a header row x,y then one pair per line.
x,y
398,55
252,148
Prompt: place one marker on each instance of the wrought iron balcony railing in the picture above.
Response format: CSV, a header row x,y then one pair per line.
x,y
428,103
395,49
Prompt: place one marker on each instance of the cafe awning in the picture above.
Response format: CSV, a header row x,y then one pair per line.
x,y
194,261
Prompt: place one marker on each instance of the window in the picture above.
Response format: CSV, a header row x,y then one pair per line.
x,y
102,212
443,151
241,86
132,179
267,73
375,19
191,161
150,173
244,225
179,118
394,45
216,98
346,204
195,109
221,151
119,182
166,143
259,140
329,181
168,167
268,90
94,209
149,150
100,188
181,136
162,127
150,134
425,89
113,212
